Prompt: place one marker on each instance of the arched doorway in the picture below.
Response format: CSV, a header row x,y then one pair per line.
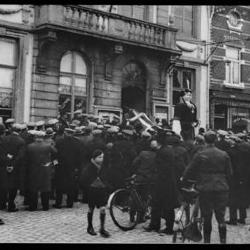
x,y
133,87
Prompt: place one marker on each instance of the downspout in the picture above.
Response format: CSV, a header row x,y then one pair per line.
x,y
210,9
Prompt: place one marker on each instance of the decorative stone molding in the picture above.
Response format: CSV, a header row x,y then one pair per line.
x,y
4,11
44,42
234,20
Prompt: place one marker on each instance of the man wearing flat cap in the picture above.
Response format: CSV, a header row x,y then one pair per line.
x,y
221,142
212,170
185,116
69,163
9,123
40,125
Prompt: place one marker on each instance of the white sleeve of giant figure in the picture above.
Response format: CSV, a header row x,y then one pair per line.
x,y
176,127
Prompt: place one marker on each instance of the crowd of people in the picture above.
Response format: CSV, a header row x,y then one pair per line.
x,y
88,159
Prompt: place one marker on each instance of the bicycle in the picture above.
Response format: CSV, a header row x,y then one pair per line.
x,y
126,206
183,220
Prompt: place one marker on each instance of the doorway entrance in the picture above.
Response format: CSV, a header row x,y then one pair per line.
x,y
133,87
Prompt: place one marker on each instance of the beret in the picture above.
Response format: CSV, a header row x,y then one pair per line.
x,y
10,120
49,131
96,131
32,132
69,130
40,123
107,126
112,129
92,124
127,132
222,132
52,121
100,126
31,124
76,122
78,131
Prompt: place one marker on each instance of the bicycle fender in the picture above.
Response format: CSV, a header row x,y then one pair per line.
x,y
112,195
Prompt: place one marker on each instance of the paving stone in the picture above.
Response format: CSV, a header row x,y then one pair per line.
x,y
70,225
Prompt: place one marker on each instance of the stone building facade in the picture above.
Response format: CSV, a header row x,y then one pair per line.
x,y
230,66
104,58
16,49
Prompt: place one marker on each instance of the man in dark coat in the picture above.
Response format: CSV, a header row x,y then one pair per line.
x,y
164,197
4,162
14,146
121,158
38,159
69,162
185,116
240,157
211,168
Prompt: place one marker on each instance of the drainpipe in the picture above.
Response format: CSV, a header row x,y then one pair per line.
x,y
91,87
210,10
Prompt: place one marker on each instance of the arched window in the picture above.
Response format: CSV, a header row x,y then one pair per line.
x,y
73,83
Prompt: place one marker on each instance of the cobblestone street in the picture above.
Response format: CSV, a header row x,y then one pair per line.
x,y
69,226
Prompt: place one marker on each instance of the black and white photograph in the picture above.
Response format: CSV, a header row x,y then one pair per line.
x,y
125,124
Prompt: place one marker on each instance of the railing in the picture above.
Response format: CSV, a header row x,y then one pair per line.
x,y
100,22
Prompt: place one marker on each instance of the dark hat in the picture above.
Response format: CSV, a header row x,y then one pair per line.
x,y
210,136
52,121
69,131
96,153
72,126
49,131
200,138
78,131
183,92
127,132
10,120
76,122
31,124
40,123
96,132
222,132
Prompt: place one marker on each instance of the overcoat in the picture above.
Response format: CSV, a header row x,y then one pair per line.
x,y
69,162
240,158
15,146
165,189
38,161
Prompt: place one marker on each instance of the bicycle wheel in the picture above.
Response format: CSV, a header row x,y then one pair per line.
x,y
122,210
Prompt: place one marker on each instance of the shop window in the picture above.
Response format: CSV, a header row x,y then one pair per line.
x,y
73,83
182,79
220,117
232,66
8,66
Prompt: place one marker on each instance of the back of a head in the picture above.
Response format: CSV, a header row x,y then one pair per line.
x,y
2,128
210,137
